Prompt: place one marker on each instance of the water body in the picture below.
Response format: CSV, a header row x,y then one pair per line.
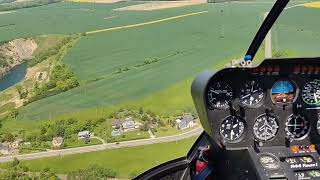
x,y
14,76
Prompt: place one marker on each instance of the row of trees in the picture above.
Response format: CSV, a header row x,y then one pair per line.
x,y
16,170
52,51
6,1
93,171
62,128
61,80
25,4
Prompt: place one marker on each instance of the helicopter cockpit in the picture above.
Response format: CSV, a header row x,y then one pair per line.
x,y
260,121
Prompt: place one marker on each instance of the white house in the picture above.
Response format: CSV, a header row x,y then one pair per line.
x,y
84,135
128,125
186,121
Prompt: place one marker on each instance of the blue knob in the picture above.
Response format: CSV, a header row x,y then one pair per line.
x,y
247,57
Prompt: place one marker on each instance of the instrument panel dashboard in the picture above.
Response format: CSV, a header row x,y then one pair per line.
x,y
273,104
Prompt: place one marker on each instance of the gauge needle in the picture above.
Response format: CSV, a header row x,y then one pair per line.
x,y
231,135
243,97
214,91
234,126
315,97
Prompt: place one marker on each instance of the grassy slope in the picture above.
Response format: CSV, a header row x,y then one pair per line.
x,y
200,44
124,160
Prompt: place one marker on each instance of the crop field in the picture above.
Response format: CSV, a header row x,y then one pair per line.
x,y
150,65
183,48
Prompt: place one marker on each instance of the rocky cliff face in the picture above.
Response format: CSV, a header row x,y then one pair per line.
x,y
14,53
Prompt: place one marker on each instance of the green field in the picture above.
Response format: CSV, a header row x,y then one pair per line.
x,y
123,160
150,66
184,46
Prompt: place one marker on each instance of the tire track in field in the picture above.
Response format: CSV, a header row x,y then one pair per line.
x,y
146,23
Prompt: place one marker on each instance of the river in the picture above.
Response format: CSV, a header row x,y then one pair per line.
x,y
14,76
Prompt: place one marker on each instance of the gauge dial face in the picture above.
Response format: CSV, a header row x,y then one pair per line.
x,y
311,92
297,127
232,129
283,91
269,161
251,94
265,127
219,95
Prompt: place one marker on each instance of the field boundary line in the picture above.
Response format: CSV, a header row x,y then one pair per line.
x,y
146,23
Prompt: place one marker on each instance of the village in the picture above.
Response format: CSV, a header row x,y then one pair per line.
x,y
122,125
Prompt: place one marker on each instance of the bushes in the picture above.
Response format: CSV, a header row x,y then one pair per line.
x,y
6,1
43,55
25,4
93,171
61,80
62,128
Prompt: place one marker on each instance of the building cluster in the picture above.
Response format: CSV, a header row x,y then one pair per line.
x,y
128,124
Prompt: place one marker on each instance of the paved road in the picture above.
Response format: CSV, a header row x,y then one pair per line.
x,y
100,147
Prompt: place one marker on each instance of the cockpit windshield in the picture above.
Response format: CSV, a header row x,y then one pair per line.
x,y
112,78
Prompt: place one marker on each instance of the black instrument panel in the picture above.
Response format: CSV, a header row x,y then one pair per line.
x,y
273,104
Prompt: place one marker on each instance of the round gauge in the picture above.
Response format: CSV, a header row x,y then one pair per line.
x,y
251,94
219,95
297,127
265,127
283,91
269,161
311,92
232,129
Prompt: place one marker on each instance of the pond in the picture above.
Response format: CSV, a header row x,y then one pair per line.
x,y
14,76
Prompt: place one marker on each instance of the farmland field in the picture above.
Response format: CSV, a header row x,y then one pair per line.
x,y
136,59
184,49
123,160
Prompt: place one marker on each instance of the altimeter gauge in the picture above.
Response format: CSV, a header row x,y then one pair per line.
x,y
251,94
232,129
265,127
297,127
219,95
311,92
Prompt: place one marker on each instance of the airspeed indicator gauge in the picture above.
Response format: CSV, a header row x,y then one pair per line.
x,y
265,127
251,94
232,129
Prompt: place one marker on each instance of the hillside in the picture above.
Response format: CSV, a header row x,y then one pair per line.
x,y
15,52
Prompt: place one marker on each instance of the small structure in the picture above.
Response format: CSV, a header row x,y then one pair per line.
x,y
116,124
186,121
84,135
57,141
128,125
116,132
4,149
137,125
15,144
